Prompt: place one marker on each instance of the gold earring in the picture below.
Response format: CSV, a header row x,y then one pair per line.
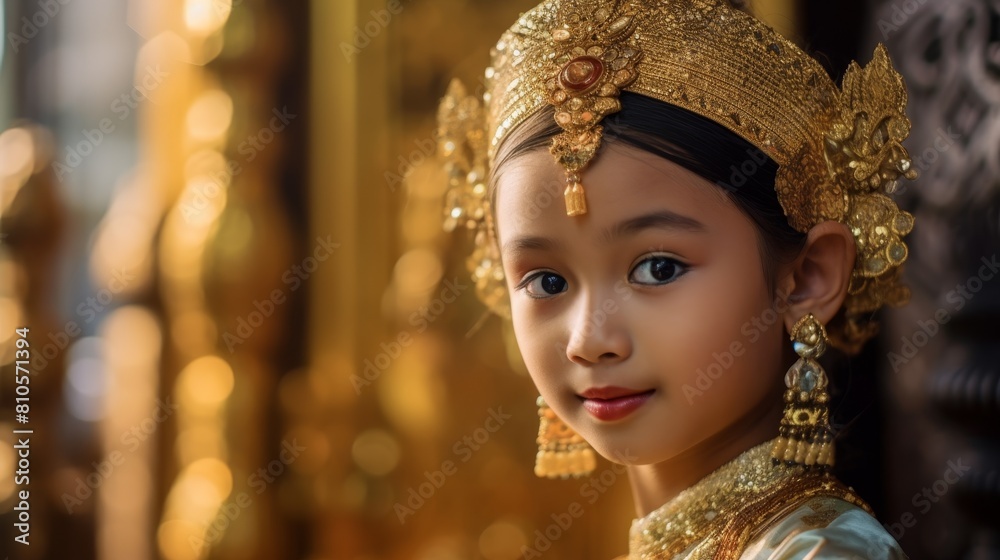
x,y
804,437
561,451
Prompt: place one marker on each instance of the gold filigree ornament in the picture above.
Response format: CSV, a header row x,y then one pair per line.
x,y
596,56
805,438
864,151
562,453
838,150
462,144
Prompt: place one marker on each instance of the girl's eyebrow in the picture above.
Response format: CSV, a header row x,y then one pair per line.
x,y
660,219
529,243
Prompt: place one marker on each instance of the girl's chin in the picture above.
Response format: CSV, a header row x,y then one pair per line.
x,y
627,448
638,456
635,444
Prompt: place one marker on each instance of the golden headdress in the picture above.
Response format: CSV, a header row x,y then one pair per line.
x,y
838,150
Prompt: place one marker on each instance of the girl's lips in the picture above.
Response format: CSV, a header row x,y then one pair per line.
x,y
614,403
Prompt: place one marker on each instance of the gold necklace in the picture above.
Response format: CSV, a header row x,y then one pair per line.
x,y
717,517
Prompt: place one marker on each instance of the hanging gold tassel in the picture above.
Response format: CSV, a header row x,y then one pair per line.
x,y
804,437
576,201
561,451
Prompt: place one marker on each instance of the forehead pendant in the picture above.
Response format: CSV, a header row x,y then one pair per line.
x,y
595,58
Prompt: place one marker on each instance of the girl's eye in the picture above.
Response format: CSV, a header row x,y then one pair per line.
x,y
657,270
544,285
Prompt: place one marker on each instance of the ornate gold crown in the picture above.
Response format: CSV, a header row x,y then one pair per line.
x,y
838,149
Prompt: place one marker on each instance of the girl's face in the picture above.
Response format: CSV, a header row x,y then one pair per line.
x,y
646,323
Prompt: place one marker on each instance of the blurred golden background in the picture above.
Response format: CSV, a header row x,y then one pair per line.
x,y
248,336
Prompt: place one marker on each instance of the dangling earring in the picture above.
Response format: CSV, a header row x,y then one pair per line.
x,y
804,437
561,451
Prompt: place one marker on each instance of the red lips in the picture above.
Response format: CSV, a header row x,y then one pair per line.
x,y
613,403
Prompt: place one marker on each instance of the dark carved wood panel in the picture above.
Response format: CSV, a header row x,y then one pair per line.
x,y
942,351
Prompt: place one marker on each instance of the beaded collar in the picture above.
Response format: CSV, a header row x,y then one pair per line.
x,y
718,516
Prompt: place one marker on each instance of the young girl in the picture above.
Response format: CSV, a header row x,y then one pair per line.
x,y
680,212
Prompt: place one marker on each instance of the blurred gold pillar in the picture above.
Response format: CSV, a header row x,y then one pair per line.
x,y
334,174
348,147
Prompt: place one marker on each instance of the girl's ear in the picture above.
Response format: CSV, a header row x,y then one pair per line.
x,y
817,280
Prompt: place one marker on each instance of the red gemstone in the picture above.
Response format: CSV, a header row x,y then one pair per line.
x,y
581,73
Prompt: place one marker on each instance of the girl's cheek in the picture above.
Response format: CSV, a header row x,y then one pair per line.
x,y
536,349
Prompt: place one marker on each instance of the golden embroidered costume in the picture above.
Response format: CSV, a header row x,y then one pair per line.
x,y
839,156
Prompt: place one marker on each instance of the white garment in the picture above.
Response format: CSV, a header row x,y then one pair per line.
x,y
825,528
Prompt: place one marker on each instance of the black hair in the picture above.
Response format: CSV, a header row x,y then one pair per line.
x,y
743,172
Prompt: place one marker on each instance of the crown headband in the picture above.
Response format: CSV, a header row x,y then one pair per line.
x,y
838,150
